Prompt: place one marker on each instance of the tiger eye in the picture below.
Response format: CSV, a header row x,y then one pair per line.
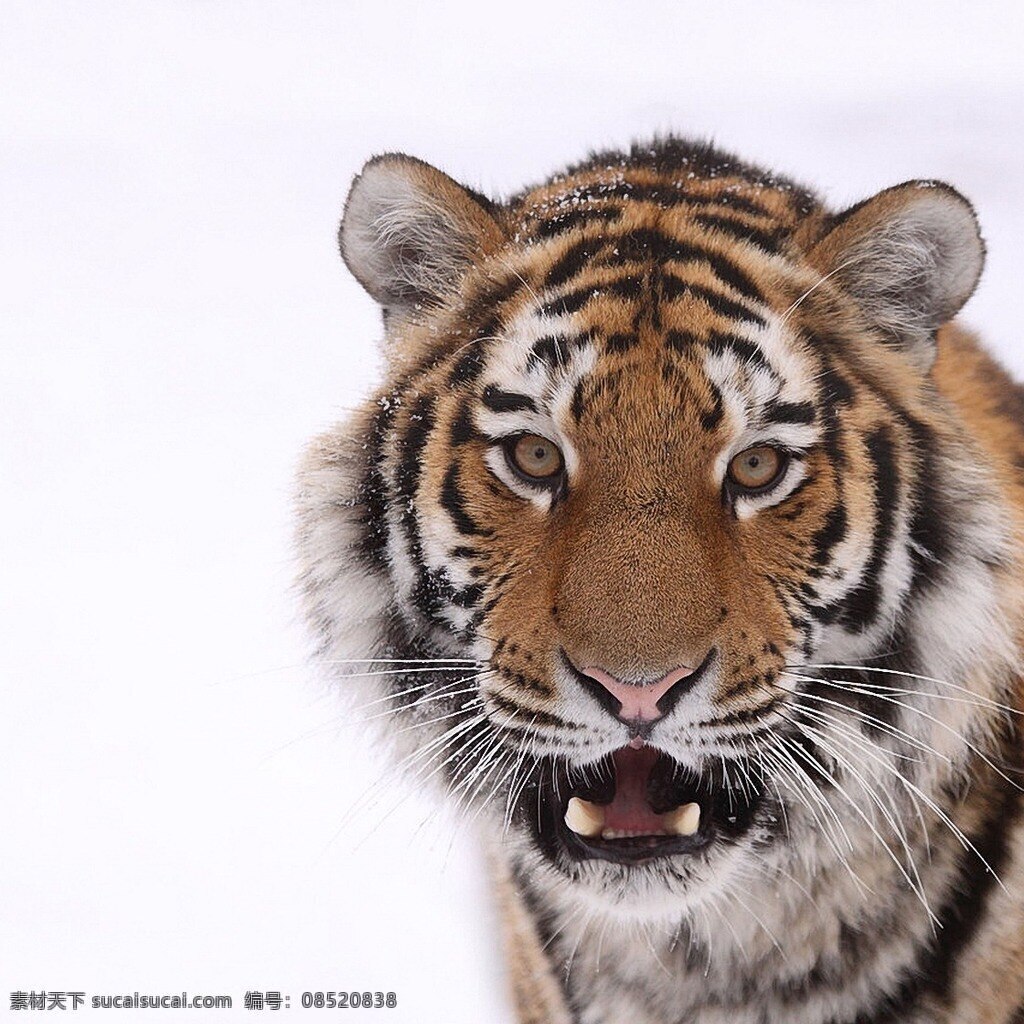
x,y
537,457
756,468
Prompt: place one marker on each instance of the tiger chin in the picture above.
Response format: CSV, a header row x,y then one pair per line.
x,y
682,545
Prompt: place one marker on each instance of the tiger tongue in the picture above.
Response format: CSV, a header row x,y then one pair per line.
x,y
630,811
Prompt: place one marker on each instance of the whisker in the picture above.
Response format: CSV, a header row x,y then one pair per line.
x,y
819,283
345,719
878,723
399,661
916,883
410,671
985,701
963,839
777,751
949,729
396,772
420,778
859,812
435,690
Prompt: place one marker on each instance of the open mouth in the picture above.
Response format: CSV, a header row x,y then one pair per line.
x,y
638,804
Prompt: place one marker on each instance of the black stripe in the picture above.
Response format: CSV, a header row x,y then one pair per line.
x,y
646,244
667,195
712,417
860,606
631,287
737,279
432,593
453,502
499,400
813,761
482,304
478,309
569,303
621,342
680,341
462,428
767,239
552,349
832,532
835,391
578,404
431,588
571,262
789,412
838,218
1009,403
418,427
578,218
726,307
469,596
834,388
672,287
469,365
544,920
931,540
803,485
719,343
537,912
374,491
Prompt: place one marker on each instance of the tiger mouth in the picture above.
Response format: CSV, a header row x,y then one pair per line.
x,y
638,804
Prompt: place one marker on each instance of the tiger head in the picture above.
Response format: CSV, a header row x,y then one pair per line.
x,y
659,441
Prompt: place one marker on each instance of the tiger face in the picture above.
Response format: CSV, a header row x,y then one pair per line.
x,y
659,443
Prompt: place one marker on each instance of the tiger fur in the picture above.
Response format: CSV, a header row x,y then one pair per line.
x,y
849,734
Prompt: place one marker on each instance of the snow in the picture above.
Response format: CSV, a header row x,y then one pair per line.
x,y
176,323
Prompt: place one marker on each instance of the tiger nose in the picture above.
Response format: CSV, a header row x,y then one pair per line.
x,y
640,702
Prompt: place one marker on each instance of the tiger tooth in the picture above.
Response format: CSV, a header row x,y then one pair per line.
x,y
584,818
683,821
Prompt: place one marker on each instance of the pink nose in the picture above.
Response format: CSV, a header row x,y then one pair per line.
x,y
638,703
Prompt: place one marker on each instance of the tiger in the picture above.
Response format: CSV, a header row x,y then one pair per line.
x,y
682,547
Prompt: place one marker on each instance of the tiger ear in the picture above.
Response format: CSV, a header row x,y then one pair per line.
x,y
409,232
910,256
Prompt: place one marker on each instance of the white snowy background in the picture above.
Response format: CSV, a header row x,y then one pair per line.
x,y
175,323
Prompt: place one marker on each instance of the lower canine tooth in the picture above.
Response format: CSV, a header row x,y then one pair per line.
x,y
683,821
584,818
